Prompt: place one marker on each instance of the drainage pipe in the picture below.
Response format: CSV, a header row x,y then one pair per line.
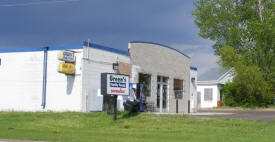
x,y
44,77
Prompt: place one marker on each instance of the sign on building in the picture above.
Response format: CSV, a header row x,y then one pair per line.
x,y
114,84
66,56
66,68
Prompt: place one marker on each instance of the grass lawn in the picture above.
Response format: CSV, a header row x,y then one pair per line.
x,y
99,127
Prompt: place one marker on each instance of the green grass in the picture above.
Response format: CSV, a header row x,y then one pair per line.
x,y
99,127
272,106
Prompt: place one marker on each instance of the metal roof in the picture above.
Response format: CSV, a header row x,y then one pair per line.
x,y
212,74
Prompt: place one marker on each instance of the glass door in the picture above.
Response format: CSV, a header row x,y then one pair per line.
x,y
162,92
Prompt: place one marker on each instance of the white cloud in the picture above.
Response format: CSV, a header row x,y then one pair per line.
x,y
204,61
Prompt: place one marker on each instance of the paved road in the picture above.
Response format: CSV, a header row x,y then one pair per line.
x,y
264,115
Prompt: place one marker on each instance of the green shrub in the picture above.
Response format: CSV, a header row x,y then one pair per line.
x,y
248,88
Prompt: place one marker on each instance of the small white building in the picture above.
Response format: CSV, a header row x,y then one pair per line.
x,y
209,87
37,79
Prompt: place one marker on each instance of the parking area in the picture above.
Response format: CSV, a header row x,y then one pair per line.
x,y
264,115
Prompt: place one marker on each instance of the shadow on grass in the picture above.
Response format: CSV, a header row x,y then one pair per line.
x,y
127,114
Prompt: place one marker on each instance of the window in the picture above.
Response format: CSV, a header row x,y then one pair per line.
x,y
178,88
145,79
208,94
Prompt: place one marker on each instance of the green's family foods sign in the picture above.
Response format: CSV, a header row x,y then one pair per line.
x,y
114,84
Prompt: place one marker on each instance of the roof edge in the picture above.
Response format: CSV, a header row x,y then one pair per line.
x,y
207,82
193,68
223,75
110,49
162,46
37,49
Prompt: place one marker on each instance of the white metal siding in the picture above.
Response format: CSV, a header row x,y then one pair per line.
x,y
97,62
21,80
216,94
193,91
63,91
21,76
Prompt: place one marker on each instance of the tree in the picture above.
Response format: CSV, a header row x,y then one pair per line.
x,y
248,88
245,30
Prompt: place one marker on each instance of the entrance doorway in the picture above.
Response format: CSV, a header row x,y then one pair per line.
x,y
162,93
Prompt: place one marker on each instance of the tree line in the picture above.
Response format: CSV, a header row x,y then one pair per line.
x,y
244,36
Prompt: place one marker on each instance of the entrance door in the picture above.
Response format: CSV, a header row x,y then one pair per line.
x,y
162,94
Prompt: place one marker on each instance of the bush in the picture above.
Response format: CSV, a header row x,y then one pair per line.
x,y
248,88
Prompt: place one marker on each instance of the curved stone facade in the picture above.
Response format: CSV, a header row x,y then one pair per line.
x,y
159,60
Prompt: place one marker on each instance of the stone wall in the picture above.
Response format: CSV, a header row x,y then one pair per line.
x,y
158,60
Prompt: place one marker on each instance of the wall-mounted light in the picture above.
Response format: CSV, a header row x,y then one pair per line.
x,y
193,80
115,67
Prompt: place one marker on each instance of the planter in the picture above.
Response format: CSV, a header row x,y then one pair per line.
x,y
219,103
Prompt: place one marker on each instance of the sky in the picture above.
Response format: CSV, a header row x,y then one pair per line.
x,y
113,23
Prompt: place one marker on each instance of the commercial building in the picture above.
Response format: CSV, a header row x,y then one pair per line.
x,y
68,78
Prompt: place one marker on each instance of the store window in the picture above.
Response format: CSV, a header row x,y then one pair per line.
x,y
145,79
208,94
178,88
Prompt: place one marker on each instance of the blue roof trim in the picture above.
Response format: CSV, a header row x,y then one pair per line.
x,y
193,68
37,49
161,45
65,47
21,50
85,43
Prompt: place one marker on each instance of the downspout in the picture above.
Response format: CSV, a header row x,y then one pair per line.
x,y
44,77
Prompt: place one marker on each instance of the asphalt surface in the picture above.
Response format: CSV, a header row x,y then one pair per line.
x,y
263,115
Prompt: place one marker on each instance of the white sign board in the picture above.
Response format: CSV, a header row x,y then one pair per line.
x,y
66,56
115,84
